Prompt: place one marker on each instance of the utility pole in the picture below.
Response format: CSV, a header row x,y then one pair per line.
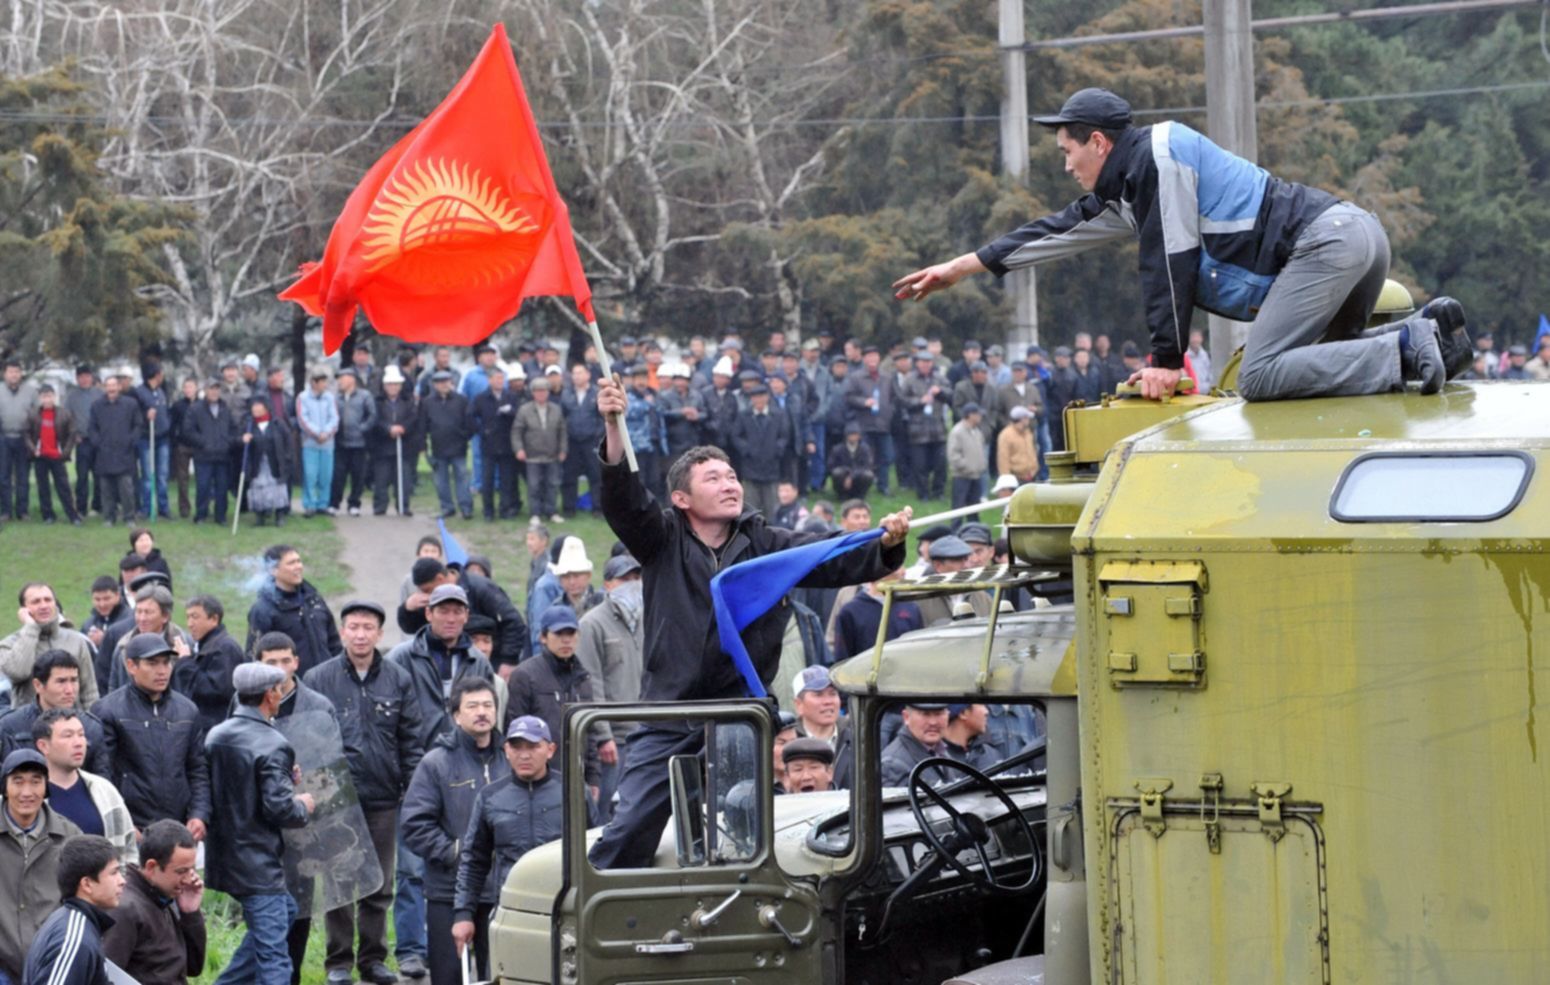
x,y
1021,285
1229,27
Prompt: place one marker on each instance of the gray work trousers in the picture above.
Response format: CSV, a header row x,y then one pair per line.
x,y
1307,339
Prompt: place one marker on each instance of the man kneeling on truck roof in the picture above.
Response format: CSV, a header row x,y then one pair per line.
x,y
705,530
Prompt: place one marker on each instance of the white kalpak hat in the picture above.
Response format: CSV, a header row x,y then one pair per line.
x,y
573,558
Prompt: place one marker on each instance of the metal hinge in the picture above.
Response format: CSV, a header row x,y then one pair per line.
x,y
1152,790
1211,795
1270,794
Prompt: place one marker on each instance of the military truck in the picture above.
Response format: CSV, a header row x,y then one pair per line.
x,y
1290,735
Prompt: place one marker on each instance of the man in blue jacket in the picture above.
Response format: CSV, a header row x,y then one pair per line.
x,y
68,948
1221,233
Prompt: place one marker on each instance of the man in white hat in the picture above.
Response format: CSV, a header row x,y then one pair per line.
x,y
574,569
395,442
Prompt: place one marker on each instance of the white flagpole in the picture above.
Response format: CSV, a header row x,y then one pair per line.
x,y
608,371
985,507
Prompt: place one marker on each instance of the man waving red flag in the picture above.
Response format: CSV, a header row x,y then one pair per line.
x,y
453,227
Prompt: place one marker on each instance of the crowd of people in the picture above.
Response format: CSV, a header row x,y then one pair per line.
x,y
514,437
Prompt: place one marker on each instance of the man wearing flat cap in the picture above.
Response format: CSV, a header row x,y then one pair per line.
x,y
252,770
950,554
809,766
1221,233
922,737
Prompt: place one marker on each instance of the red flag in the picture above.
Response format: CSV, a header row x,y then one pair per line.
x,y
453,227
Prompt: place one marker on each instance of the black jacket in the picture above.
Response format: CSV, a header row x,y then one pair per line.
x,y
855,628
847,463
380,720
157,756
762,442
250,770
488,599
121,610
151,939
544,686
682,653
446,423
430,693
205,677
115,427
403,413
209,437
302,615
440,802
275,444
68,947
490,417
16,733
510,818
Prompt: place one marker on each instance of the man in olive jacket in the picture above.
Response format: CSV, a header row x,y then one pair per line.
x,y
31,835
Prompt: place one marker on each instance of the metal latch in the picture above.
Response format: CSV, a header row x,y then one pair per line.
x,y
1270,795
672,943
1152,790
1211,796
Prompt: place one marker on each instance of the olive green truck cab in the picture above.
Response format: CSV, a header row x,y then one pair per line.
x,y
1290,734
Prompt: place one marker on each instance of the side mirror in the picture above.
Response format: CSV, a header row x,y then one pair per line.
x,y
686,785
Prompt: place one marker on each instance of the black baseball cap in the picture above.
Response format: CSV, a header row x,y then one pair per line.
x,y
1094,107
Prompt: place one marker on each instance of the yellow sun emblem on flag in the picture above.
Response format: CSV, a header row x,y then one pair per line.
x,y
445,223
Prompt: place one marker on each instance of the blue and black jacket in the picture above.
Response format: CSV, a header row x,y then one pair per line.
x,y
1215,229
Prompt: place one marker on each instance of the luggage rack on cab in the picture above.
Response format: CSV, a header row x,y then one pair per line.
x,y
996,579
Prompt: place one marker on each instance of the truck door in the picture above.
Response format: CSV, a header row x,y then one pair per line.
x,y
715,906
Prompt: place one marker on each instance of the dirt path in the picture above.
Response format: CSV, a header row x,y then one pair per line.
x,y
378,551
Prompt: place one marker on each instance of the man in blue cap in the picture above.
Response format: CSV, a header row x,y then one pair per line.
x,y
1221,233
532,790
544,684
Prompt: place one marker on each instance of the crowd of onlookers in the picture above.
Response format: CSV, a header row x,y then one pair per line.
x,y
146,727
829,414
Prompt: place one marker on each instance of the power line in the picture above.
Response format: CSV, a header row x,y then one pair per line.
x,y
11,116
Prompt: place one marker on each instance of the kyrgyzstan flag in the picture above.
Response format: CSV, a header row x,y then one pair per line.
x,y
453,227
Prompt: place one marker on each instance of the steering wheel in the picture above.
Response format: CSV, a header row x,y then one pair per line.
x,y
969,830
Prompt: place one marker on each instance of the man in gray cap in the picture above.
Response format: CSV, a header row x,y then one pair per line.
x,y
950,554
922,737
1221,233
445,421
981,544
540,441
252,780
968,458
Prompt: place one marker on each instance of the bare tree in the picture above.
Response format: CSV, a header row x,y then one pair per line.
x,y
680,121
245,111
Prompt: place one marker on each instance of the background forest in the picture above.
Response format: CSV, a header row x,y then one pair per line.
x,y
166,164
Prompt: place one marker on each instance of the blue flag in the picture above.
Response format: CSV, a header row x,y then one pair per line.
x,y
749,589
1544,329
450,548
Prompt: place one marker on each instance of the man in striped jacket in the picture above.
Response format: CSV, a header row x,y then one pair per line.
x,y
68,947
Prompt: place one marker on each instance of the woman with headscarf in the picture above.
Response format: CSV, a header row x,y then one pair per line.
x,y
269,464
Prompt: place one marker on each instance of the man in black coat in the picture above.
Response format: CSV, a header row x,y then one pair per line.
x,y
204,672
491,414
252,767
437,809
114,431
922,737
291,605
484,597
705,530
762,437
544,685
444,417
210,433
155,745
380,717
